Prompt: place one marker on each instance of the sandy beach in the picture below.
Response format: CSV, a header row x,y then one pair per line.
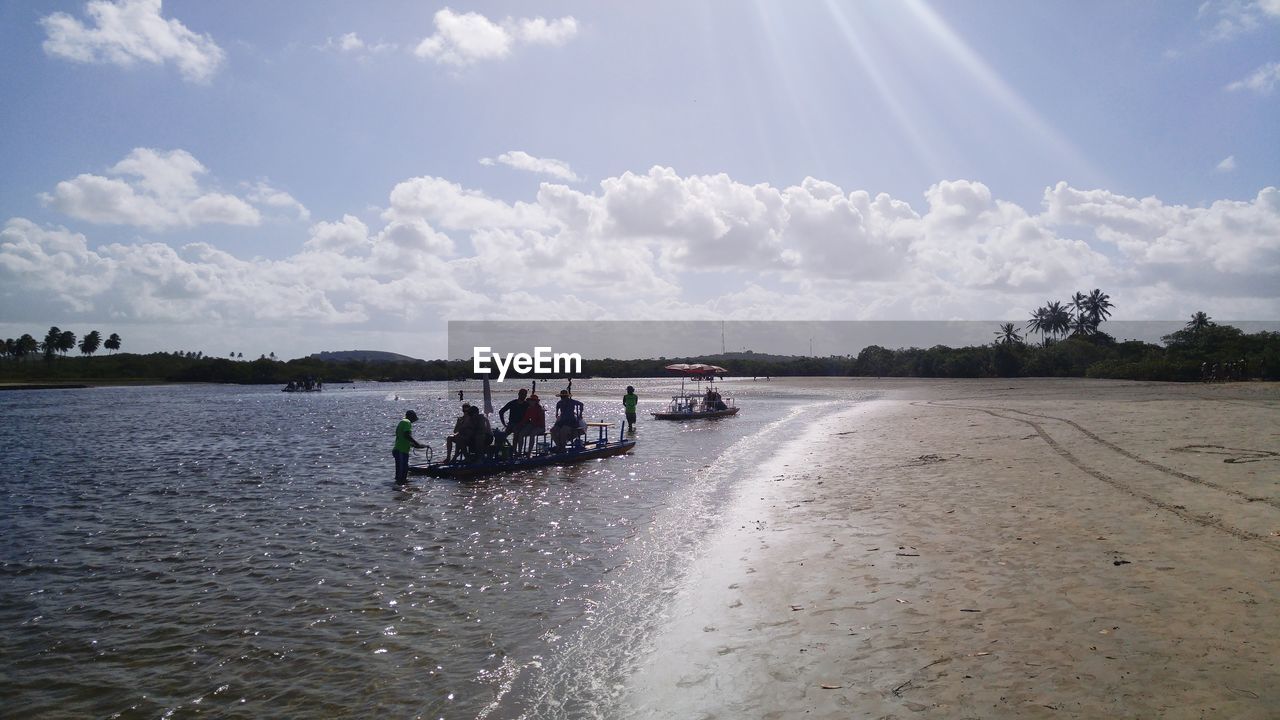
x,y
978,549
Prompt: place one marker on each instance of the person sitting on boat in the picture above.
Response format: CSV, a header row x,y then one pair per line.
x,y
568,418
499,446
404,441
717,403
532,425
461,428
480,435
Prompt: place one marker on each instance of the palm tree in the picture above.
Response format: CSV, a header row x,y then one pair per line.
x,y
1058,318
112,343
1053,319
1082,324
1098,304
1199,321
1039,322
66,342
51,342
91,342
1078,304
26,345
1008,335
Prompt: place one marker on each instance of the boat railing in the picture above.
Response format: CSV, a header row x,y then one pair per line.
x,y
602,437
695,403
541,445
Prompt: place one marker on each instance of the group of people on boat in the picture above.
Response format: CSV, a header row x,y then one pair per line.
x,y
307,384
712,400
523,423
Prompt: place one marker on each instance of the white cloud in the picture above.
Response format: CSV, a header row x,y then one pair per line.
x,y
1261,81
352,44
262,193
129,31
452,207
1227,165
467,38
538,31
1233,18
659,245
348,235
1227,242
522,160
155,189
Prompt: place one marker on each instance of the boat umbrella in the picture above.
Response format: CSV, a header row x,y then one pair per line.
x,y
699,370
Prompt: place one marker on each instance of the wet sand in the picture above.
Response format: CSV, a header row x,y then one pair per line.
x,y
978,549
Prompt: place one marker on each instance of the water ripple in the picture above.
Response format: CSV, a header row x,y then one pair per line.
x,y
239,552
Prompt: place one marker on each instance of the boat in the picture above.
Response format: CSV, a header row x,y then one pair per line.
x,y
576,452
697,404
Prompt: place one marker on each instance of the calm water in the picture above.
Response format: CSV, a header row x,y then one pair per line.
x,y
240,552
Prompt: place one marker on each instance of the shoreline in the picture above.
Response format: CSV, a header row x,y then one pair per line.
x,y
1029,548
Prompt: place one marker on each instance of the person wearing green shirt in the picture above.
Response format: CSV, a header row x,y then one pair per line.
x,y
629,401
404,441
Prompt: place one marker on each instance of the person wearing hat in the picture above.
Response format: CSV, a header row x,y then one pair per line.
x,y
532,425
404,441
568,414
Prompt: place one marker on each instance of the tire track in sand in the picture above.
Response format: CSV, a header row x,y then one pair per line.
x,y
1149,463
1060,449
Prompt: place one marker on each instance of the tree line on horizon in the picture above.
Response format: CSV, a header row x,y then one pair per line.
x,y
57,342
1073,344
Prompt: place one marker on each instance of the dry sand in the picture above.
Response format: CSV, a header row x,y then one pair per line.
x,y
989,549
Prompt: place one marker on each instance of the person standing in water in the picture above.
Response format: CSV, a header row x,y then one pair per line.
x,y
629,401
404,441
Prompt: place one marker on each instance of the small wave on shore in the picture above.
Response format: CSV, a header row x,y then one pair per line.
x,y
587,673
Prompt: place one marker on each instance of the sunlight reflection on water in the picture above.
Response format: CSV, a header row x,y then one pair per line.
x,y
237,551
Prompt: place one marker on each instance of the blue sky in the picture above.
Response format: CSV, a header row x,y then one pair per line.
x,y
300,176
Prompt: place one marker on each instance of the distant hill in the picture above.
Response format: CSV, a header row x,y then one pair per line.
x,y
750,355
375,356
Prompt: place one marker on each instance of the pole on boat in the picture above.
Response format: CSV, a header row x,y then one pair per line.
x,y
488,398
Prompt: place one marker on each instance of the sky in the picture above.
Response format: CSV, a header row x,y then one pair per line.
x,y
294,177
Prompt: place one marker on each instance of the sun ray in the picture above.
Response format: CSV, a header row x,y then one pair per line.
x,y
858,45
999,91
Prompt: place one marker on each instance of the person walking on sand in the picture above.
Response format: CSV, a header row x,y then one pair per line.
x,y
629,401
404,441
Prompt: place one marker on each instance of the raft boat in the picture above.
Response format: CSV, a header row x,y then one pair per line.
x,y
697,404
544,456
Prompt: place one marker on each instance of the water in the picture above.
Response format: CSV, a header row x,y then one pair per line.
x,y
220,551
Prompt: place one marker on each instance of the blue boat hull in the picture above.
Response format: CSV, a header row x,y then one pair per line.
x,y
478,469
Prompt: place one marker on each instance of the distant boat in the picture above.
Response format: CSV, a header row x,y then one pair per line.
x,y
576,452
697,404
